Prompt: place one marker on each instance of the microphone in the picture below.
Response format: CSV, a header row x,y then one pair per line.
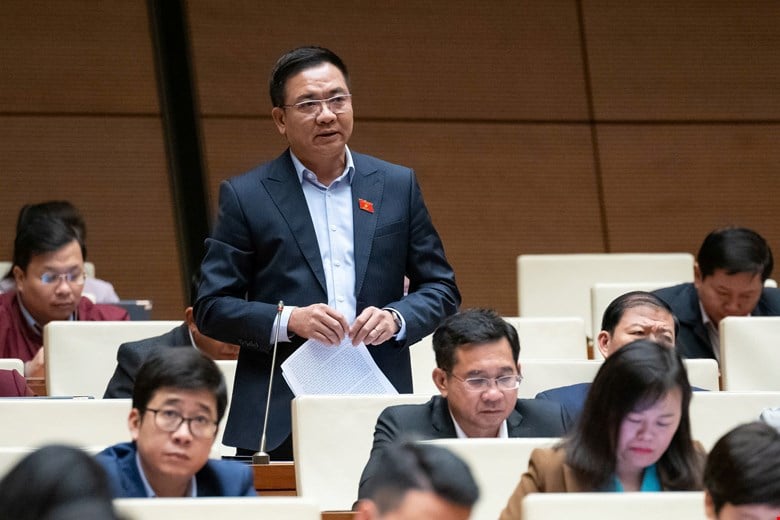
x,y
261,457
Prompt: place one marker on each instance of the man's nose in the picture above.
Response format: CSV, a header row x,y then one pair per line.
x,y
493,393
732,307
182,433
62,286
325,114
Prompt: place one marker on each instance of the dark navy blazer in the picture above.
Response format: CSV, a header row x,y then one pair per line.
x,y
264,249
432,420
218,478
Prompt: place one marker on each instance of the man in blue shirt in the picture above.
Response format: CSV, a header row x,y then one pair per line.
x,y
331,233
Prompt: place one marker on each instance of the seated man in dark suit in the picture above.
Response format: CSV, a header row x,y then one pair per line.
x,y
629,317
477,373
178,400
729,275
132,355
419,481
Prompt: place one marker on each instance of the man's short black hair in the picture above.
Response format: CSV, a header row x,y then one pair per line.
x,y
735,250
297,60
181,368
60,209
424,467
744,467
42,235
475,327
618,307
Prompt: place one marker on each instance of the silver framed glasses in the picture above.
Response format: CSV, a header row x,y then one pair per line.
x,y
482,384
311,107
72,278
169,420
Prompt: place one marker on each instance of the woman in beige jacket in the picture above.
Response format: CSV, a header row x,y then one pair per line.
x,y
634,433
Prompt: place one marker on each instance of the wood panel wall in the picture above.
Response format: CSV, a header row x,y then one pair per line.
x,y
535,126
79,120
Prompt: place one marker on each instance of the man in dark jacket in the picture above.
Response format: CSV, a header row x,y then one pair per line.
x,y
729,275
477,374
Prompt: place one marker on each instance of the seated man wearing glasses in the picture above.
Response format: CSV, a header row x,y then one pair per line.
x,y
477,373
179,398
48,267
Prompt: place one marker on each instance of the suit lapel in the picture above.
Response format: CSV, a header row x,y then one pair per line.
x,y
285,190
513,423
441,418
367,186
130,476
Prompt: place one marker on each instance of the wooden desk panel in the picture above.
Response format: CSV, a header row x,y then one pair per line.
x,y
275,479
38,385
278,479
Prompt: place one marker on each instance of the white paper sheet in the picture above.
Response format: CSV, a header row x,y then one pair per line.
x,y
315,368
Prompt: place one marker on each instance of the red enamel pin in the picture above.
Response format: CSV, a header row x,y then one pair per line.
x,y
366,205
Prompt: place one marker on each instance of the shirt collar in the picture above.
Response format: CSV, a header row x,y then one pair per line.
x,y
705,318
304,173
503,430
192,340
192,489
28,318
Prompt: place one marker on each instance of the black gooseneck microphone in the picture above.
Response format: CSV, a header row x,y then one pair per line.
x,y
261,457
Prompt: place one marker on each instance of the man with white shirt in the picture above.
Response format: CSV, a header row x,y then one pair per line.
x,y
477,373
331,233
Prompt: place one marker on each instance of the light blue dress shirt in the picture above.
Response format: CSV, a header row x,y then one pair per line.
x,y
330,208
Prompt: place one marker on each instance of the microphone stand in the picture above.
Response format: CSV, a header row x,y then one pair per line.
x,y
261,457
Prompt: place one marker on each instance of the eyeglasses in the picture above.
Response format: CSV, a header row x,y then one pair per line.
x,y
482,384
74,278
336,104
170,420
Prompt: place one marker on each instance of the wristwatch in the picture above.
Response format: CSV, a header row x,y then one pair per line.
x,y
396,319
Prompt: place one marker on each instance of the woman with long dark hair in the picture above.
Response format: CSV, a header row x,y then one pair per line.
x,y
634,433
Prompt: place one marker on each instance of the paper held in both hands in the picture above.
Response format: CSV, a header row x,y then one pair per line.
x,y
316,368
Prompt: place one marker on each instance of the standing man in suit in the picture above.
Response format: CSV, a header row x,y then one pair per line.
x,y
178,400
330,232
477,373
729,275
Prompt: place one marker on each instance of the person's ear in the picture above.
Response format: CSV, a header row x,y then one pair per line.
x,y
709,506
19,278
134,423
189,318
365,509
697,278
602,342
441,381
280,119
